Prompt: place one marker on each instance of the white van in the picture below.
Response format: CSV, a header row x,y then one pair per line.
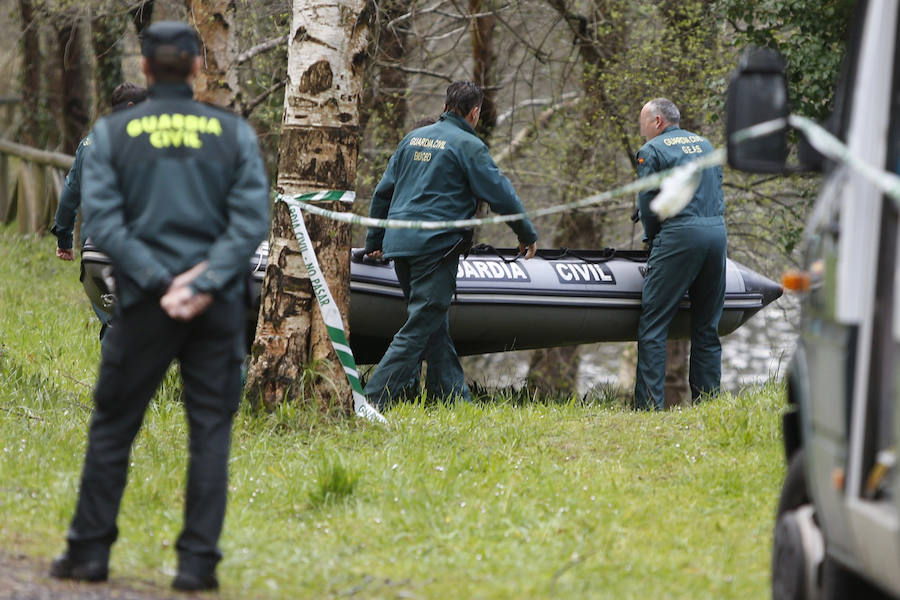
x,y
837,533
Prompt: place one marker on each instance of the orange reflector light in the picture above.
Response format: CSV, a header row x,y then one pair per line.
x,y
796,281
837,479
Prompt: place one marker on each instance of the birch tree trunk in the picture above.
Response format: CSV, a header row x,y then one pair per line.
x,y
217,81
292,353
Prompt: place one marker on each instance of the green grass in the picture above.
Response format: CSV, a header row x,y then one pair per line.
x,y
501,499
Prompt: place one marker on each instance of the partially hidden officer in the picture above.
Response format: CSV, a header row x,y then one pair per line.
x,y
438,172
123,95
176,194
687,255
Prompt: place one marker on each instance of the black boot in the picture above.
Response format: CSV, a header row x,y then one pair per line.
x,y
191,582
67,566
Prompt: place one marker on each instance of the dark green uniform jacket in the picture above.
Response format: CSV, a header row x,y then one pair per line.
x,y
687,256
438,173
169,183
671,148
70,200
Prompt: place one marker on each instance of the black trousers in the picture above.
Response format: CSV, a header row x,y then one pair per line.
x,y
137,352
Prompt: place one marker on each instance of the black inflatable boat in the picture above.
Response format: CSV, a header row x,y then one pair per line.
x,y
558,298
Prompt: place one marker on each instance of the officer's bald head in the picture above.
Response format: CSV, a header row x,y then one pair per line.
x,y
656,115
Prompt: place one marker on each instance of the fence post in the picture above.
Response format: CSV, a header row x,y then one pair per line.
x,y
30,183
12,169
5,194
29,198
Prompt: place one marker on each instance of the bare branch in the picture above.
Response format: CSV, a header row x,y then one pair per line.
x,y
533,102
452,32
413,13
260,48
415,71
259,99
469,17
520,138
539,54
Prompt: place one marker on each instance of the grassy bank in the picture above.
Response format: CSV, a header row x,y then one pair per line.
x,y
494,500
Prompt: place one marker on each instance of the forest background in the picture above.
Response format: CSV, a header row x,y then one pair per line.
x,y
565,81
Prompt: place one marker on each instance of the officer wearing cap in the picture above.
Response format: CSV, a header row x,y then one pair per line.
x,y
124,95
175,193
687,255
438,172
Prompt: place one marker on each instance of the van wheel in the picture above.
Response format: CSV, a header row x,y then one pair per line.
x,y
797,542
840,583
794,492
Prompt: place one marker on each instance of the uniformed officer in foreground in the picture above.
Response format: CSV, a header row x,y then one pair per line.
x,y
687,254
124,95
175,192
438,172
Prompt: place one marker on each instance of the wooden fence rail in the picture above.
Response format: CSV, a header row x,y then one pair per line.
x,y
30,183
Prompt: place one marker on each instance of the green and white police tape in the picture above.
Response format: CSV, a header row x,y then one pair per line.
x,y
330,312
833,148
828,145
647,183
684,175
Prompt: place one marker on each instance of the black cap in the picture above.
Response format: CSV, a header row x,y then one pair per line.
x,y
169,40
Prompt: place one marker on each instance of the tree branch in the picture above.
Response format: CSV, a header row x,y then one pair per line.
x,y
469,17
260,48
410,14
520,138
399,67
259,99
451,33
533,102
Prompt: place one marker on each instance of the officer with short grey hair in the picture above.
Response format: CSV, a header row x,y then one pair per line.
x,y
687,256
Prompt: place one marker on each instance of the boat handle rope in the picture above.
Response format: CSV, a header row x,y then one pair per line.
x,y
676,188
482,248
607,254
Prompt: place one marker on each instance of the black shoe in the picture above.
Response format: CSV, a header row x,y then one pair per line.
x,y
66,567
191,582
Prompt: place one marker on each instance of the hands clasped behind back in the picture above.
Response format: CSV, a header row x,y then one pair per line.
x,y
180,301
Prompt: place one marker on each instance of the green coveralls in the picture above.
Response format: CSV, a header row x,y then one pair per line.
x,y
66,212
70,200
687,255
438,172
169,183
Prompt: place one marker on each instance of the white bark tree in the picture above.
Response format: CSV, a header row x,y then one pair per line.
x,y
292,354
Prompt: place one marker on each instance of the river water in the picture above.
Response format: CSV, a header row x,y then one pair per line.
x,y
758,351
